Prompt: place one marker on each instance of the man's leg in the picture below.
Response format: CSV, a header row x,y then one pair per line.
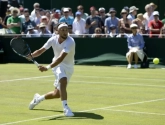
x,y
63,93
37,98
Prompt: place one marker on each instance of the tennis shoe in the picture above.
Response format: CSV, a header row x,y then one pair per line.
x,y
68,112
34,102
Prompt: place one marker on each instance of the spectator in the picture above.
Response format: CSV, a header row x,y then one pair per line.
x,y
112,20
55,30
70,12
54,19
37,18
81,9
154,6
8,14
124,22
93,21
79,24
126,8
132,13
14,22
27,22
45,20
26,13
148,16
135,46
103,17
112,31
163,20
143,32
98,33
42,12
44,32
122,34
155,25
67,19
32,32
140,21
47,14
162,32
21,9
36,8
70,29
1,24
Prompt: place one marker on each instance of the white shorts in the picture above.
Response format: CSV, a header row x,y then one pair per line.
x,y
61,72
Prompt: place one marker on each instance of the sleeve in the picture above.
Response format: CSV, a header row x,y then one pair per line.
x,y
73,29
8,20
48,44
69,47
106,23
141,42
61,20
129,43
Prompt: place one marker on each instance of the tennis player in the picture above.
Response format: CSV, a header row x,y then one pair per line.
x,y
62,66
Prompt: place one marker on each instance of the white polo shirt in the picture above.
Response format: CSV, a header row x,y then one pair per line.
x,y
68,46
79,26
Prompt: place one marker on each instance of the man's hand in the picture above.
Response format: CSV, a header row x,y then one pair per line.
x,y
93,23
42,68
29,58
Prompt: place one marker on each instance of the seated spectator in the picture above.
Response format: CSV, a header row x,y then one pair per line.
x,y
70,12
79,25
97,34
42,12
55,30
148,16
25,12
112,31
162,32
140,21
122,34
81,9
163,20
135,46
36,7
70,31
27,22
44,32
48,14
155,25
66,18
8,14
124,22
32,32
54,19
126,8
93,21
132,13
45,20
154,6
143,32
103,16
112,20
14,22
37,18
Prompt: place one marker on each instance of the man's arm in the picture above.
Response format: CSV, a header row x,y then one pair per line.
x,y
38,52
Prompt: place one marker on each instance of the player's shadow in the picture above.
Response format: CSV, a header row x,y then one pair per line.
x,y
80,115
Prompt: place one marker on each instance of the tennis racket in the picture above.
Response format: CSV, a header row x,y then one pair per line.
x,y
20,47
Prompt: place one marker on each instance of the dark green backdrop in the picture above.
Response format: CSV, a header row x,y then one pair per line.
x,y
88,50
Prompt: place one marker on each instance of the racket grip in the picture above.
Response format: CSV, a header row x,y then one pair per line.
x,y
36,63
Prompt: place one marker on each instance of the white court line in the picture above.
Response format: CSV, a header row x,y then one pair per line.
x,y
10,123
145,113
97,77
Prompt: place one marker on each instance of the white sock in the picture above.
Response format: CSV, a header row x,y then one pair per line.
x,y
64,103
41,98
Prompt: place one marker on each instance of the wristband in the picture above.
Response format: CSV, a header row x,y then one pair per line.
x,y
48,67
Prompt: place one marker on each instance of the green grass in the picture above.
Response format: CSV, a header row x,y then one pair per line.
x,y
97,96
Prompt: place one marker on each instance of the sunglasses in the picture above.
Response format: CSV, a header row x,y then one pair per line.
x,y
15,12
44,19
66,12
80,8
98,30
113,12
124,13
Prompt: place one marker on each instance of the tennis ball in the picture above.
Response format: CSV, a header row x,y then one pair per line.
x,y
156,61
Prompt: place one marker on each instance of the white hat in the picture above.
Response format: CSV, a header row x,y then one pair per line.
x,y
11,8
42,25
133,8
101,9
133,25
155,13
66,9
43,17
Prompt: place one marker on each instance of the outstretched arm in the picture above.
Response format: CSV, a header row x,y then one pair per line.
x,y
38,52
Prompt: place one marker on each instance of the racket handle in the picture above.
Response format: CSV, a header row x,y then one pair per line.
x,y
36,63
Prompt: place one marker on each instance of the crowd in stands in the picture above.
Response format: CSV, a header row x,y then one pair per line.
x,y
97,24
